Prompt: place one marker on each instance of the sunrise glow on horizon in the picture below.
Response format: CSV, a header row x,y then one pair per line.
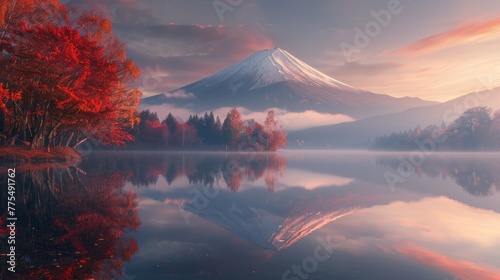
x,y
434,51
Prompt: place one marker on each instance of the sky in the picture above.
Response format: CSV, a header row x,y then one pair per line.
x,y
435,50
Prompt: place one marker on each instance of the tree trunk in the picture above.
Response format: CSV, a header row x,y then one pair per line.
x,y
70,137
81,142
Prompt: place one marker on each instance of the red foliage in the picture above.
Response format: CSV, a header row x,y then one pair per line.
x,y
7,97
74,79
83,229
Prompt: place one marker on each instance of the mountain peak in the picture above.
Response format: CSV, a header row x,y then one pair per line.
x,y
267,67
274,78
275,50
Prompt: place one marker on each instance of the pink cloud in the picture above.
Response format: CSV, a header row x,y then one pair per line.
x,y
187,53
238,42
117,10
467,32
460,268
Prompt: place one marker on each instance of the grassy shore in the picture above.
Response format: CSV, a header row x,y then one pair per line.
x,y
18,154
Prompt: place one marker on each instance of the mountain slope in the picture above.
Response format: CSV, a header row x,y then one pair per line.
x,y
360,134
275,78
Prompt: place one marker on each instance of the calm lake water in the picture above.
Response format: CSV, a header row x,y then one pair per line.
x,y
292,215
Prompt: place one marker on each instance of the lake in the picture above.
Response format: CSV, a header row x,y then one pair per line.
x,y
291,215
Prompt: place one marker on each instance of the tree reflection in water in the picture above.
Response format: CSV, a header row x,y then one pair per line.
x,y
478,176
71,223
229,169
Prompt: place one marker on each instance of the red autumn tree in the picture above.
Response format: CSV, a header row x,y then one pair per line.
x,y
34,12
233,128
74,78
273,136
7,100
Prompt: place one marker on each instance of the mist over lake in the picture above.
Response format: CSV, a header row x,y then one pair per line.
x,y
218,215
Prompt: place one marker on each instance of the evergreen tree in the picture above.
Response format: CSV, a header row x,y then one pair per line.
x,y
218,130
193,120
210,129
226,132
172,123
142,128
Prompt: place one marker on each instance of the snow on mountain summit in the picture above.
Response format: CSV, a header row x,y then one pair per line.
x,y
290,68
268,67
274,78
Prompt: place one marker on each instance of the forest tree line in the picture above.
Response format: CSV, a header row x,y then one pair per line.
x,y
228,170
208,131
476,129
477,176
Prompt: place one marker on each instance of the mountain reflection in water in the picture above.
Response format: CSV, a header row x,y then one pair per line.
x,y
174,210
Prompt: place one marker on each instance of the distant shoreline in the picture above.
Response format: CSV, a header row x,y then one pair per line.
x,y
289,150
66,155
20,154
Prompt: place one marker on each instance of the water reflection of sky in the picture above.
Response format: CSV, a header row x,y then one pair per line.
x,y
429,227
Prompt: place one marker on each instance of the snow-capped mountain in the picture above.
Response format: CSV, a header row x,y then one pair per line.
x,y
276,79
265,68
271,231
276,221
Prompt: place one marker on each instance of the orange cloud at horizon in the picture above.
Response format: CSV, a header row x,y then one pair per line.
x,y
472,31
459,268
436,232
